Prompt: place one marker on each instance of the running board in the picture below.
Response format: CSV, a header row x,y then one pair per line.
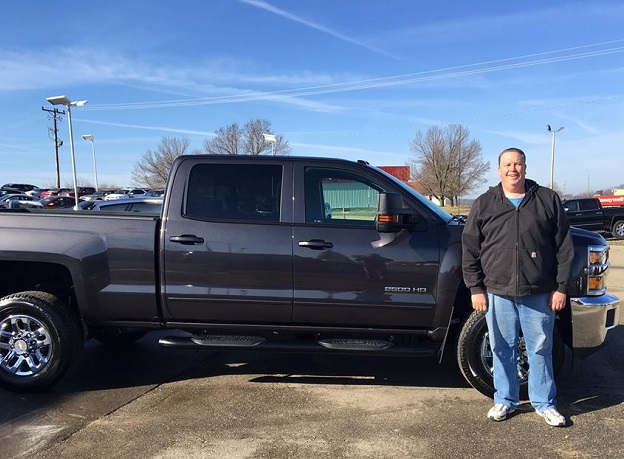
x,y
329,346
352,344
227,340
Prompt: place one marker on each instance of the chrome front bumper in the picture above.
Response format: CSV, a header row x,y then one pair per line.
x,y
592,318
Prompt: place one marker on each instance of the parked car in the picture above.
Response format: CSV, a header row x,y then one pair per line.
x,y
24,188
58,202
52,192
18,200
126,193
96,196
140,204
82,191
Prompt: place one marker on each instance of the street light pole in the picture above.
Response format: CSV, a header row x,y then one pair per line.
x,y
64,100
552,154
92,140
270,138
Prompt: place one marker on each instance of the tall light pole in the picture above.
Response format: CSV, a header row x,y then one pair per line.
x,y
64,100
552,154
270,138
92,140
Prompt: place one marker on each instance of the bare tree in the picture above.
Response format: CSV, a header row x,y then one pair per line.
x,y
151,171
255,141
227,141
251,139
446,163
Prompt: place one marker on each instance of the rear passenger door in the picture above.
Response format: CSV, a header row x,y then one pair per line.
x,y
345,275
228,243
585,213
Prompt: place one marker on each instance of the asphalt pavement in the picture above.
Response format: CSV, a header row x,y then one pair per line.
x,y
156,403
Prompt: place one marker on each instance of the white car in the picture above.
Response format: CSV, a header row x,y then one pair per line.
x,y
125,193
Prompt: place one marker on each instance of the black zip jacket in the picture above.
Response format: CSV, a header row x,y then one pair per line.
x,y
517,251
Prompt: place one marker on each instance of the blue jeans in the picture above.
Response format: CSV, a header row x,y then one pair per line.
x,y
505,316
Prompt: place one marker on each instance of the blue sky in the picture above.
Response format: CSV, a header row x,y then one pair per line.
x,y
355,79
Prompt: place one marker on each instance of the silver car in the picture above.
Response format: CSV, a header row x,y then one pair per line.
x,y
9,201
151,204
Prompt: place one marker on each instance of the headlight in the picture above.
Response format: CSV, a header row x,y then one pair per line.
x,y
597,265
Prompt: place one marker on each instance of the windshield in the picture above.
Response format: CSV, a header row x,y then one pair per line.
x,y
443,214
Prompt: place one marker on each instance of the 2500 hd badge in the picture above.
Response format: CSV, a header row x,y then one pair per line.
x,y
405,290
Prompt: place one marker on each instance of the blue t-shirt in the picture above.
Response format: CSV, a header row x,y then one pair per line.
x,y
516,201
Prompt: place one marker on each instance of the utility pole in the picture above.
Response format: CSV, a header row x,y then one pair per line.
x,y
57,143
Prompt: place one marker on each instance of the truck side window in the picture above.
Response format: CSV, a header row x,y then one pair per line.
x,y
589,204
571,206
339,197
234,192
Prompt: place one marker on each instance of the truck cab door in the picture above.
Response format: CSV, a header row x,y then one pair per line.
x,y
585,213
346,273
227,243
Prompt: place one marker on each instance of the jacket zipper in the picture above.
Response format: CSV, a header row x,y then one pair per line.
x,y
517,250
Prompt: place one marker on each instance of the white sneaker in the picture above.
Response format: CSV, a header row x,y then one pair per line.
x,y
499,412
552,417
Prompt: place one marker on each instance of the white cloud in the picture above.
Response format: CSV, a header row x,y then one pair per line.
x,y
316,26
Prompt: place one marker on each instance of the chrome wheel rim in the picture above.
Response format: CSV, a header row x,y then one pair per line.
x,y
25,345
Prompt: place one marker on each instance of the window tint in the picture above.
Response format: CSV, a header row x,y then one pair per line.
x,y
572,206
340,197
234,192
153,207
589,204
114,207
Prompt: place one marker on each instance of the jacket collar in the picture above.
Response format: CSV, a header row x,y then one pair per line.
x,y
530,187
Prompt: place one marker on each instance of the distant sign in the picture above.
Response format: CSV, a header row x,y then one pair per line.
x,y
611,200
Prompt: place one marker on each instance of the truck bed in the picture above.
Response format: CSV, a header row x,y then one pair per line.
x,y
111,258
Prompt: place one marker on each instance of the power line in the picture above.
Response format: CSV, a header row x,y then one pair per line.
x,y
57,142
397,80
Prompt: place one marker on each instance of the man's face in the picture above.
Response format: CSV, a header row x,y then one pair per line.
x,y
512,170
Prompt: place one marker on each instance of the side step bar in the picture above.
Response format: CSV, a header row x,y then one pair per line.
x,y
331,345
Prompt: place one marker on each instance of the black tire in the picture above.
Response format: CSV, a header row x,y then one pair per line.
x,y
474,356
617,231
41,340
117,337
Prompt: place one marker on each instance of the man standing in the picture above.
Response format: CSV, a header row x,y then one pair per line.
x,y
517,256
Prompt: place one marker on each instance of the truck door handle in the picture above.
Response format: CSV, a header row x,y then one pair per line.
x,y
316,244
187,239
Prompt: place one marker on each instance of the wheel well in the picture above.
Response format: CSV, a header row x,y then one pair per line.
x,y
463,304
45,277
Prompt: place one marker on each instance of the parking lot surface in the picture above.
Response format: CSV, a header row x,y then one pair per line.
x,y
150,402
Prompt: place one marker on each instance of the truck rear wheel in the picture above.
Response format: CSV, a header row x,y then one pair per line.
x,y
617,230
474,356
40,341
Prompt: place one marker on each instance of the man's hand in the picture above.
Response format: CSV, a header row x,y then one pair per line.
x,y
479,302
557,301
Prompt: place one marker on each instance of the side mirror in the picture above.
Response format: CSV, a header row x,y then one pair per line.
x,y
392,216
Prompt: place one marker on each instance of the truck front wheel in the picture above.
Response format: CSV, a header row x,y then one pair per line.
x,y
474,356
40,341
617,230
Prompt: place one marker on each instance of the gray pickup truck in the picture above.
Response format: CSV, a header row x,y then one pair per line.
x,y
263,253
